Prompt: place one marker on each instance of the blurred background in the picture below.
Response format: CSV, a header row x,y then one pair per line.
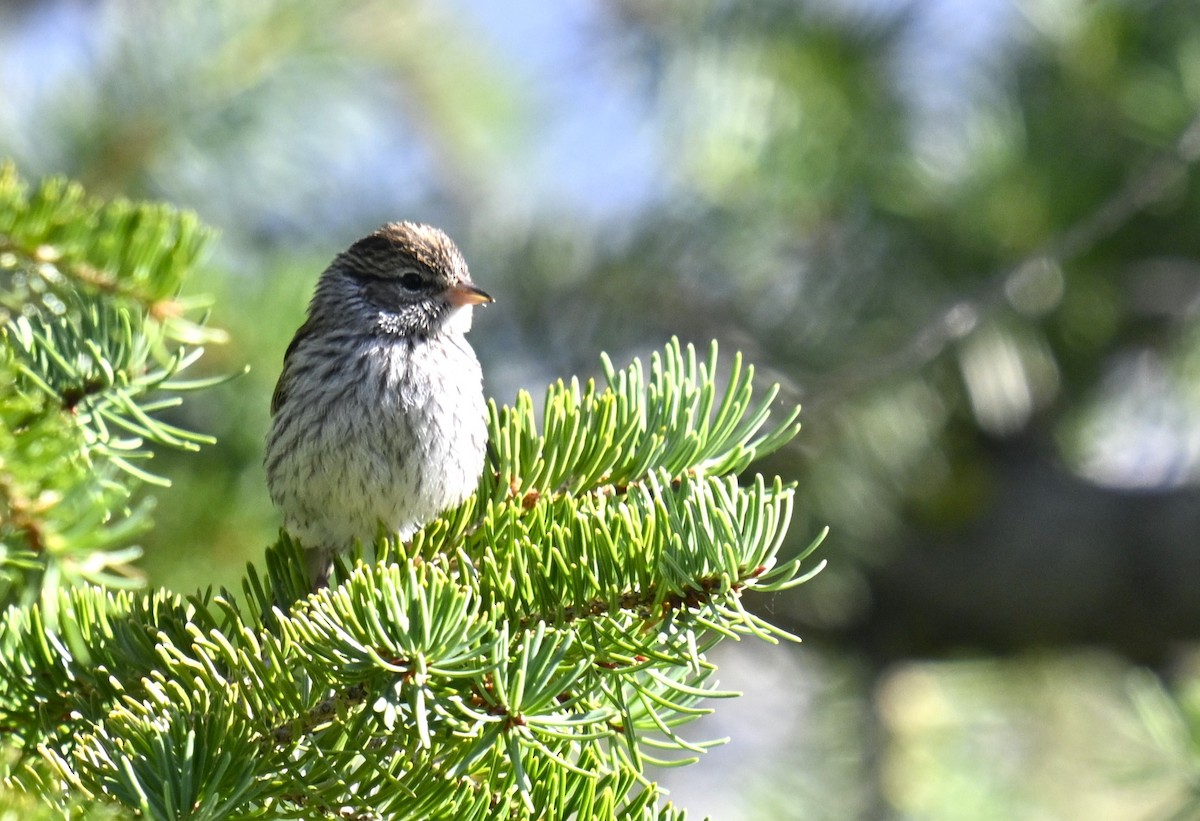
x,y
965,236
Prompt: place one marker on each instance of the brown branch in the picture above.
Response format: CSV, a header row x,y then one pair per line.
x,y
96,278
16,510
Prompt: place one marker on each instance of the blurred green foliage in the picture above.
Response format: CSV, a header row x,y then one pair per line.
x,y
963,235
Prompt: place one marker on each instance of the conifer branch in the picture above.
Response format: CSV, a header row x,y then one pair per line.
x,y
500,652
93,340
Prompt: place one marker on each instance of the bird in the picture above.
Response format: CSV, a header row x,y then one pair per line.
x,y
379,416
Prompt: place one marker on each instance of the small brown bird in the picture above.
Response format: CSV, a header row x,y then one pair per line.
x,y
379,415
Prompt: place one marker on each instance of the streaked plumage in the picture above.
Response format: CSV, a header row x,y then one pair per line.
x,y
379,414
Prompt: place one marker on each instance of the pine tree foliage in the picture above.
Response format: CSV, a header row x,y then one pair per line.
x,y
95,336
526,655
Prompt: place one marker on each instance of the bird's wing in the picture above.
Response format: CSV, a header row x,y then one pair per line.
x,y
281,387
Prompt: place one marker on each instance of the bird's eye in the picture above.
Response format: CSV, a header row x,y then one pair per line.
x,y
412,281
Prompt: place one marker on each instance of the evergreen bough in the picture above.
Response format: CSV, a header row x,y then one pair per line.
x,y
526,655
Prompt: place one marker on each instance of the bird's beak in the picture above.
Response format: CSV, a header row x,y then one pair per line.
x,y
466,294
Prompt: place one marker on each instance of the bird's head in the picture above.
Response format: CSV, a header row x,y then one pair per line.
x,y
406,279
